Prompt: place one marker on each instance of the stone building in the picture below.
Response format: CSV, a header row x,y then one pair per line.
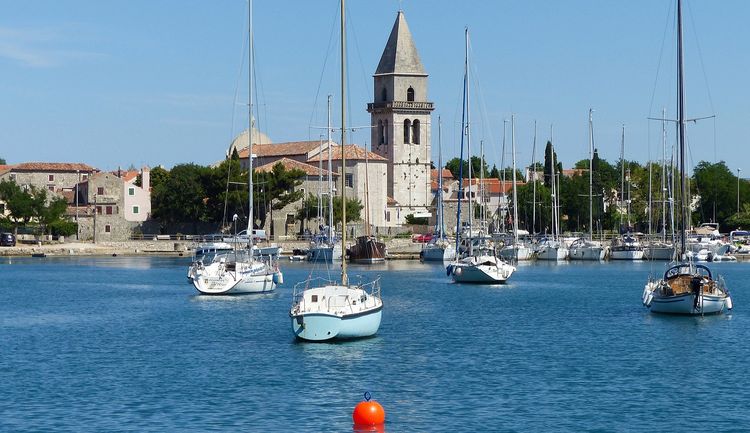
x,y
401,123
55,177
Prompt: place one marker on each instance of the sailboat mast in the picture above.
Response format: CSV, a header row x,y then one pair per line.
x,y
330,175
515,195
532,175
622,172
591,173
468,135
502,175
663,175
251,218
440,229
344,278
681,127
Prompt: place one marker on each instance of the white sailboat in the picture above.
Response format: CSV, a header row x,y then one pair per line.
x,y
517,251
326,247
439,249
480,264
686,288
627,246
239,272
327,310
552,248
588,249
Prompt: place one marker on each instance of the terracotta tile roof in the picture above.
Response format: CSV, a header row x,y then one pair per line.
x,y
281,149
290,164
493,185
352,152
129,176
447,175
574,172
53,166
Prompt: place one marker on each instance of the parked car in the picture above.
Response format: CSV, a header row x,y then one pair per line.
x,y
7,240
423,238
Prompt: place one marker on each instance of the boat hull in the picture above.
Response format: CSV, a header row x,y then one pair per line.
x,y
552,253
520,253
629,254
659,253
686,304
481,270
324,253
219,279
436,253
587,253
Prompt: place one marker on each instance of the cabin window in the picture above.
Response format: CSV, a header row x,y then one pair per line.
x,y
410,94
107,228
313,298
407,131
384,95
415,132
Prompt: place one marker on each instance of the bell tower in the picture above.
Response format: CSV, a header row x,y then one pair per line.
x,y
400,114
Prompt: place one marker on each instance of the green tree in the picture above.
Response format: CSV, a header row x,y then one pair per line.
x,y
158,176
548,154
179,197
274,190
19,203
495,172
526,210
717,187
454,165
2,161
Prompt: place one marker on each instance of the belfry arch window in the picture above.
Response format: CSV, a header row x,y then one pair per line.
x,y
384,94
415,132
385,133
410,94
381,133
407,131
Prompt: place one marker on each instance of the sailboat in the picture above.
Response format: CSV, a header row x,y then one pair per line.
x,y
552,248
239,271
587,249
480,264
367,248
626,246
326,310
661,249
686,287
325,247
439,248
517,251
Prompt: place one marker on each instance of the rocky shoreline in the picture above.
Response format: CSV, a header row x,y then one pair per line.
x,y
397,248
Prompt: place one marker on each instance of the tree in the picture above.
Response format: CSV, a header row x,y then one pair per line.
x,y
548,156
495,173
180,196
454,165
274,190
19,203
2,161
717,187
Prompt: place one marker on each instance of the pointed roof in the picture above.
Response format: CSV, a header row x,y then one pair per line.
x,y
353,152
400,55
291,164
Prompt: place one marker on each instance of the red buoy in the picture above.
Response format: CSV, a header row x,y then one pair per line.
x,y
368,412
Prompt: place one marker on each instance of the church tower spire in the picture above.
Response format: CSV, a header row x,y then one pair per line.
x,y
400,115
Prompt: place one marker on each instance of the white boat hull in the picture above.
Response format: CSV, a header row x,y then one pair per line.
x,y
481,270
587,253
215,279
553,253
686,304
335,312
616,254
437,253
516,252
324,253
659,253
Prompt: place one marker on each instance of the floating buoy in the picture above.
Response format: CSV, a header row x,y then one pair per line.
x,y
278,278
729,303
457,271
368,412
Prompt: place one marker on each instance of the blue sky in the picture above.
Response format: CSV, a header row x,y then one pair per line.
x,y
114,83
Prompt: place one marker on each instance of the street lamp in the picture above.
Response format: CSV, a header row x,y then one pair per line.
x,y
738,190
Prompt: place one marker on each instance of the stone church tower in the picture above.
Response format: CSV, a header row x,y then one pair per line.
x,y
400,116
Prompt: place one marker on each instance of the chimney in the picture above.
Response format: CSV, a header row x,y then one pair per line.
x,y
145,178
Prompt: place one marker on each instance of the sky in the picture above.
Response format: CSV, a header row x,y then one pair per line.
x,y
120,83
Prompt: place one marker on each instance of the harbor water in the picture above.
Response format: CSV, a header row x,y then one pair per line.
x,y
126,344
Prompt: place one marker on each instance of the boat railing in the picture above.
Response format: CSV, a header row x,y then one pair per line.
x,y
373,287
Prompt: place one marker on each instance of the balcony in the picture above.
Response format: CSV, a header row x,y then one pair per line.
x,y
378,107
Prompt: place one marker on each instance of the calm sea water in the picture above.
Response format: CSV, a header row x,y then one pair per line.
x,y
120,343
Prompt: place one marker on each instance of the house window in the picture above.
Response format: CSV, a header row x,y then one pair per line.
x,y
388,216
415,132
131,191
107,228
51,177
349,180
51,187
407,130
136,209
100,190
410,94
84,176
109,210
99,210
13,177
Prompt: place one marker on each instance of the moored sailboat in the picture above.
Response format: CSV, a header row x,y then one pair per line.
x,y
686,287
326,310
